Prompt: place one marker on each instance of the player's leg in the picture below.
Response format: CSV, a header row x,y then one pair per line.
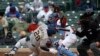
x,y
16,47
59,51
63,51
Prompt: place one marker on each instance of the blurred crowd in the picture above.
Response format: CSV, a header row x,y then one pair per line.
x,y
52,15
49,13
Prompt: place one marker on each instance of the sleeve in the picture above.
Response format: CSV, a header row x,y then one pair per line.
x,y
40,15
80,34
7,10
71,29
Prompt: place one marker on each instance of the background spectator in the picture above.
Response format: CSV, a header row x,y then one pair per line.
x,y
3,28
9,39
13,13
3,24
88,5
11,5
77,4
45,13
52,21
37,5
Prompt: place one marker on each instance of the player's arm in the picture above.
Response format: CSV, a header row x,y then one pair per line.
x,y
80,34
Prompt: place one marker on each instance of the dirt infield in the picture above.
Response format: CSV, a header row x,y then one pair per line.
x,y
26,52
21,52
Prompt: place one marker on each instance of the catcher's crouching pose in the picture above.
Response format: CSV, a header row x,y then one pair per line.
x,y
39,36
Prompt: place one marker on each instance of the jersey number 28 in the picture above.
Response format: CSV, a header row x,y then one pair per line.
x,y
37,36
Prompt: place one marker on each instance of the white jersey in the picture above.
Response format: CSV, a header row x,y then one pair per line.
x,y
60,42
68,32
44,16
67,28
69,40
37,37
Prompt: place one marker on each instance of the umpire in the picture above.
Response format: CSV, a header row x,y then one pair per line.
x,y
96,45
89,29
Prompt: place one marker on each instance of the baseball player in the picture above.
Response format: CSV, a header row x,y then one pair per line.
x,y
38,37
67,39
